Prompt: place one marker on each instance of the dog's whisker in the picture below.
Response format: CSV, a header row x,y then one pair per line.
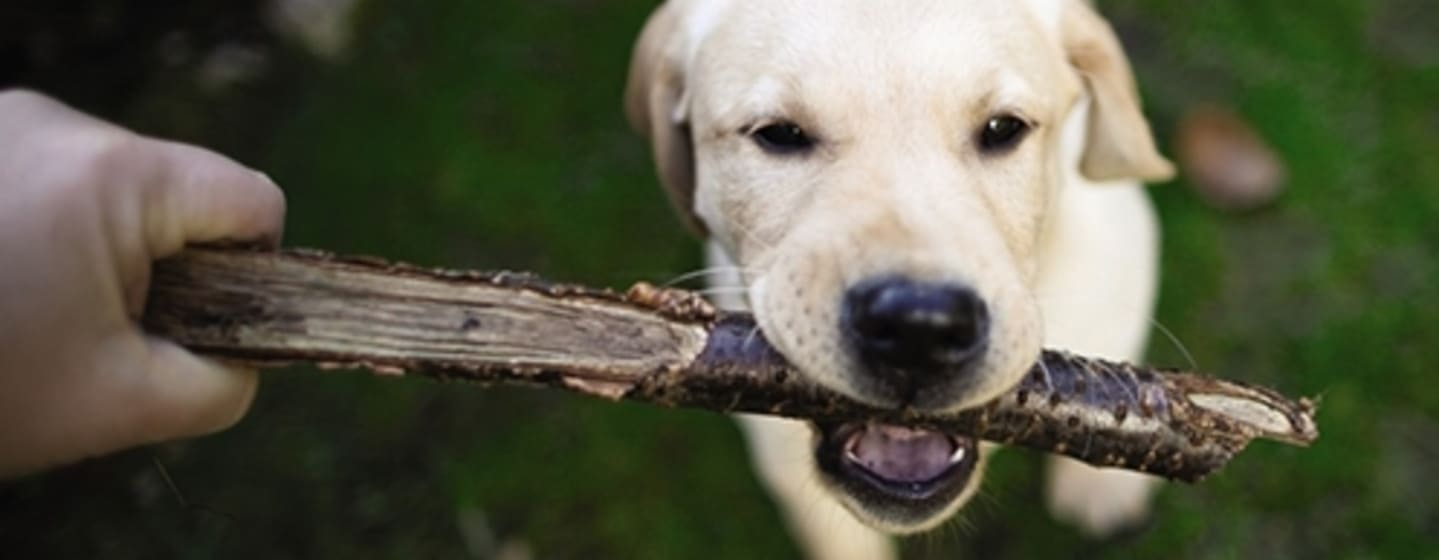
x,y
749,234
703,272
1177,344
951,531
748,338
1048,377
1168,334
721,290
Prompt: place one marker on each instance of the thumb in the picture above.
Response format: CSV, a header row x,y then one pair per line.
x,y
187,395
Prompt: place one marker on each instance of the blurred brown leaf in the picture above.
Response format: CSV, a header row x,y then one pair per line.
x,y
1226,162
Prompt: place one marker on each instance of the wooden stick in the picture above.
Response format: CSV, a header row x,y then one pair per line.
x,y
667,347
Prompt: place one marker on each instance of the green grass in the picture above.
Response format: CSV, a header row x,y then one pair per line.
x,y
471,134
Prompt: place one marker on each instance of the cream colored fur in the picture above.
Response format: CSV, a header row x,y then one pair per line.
x,y
1057,236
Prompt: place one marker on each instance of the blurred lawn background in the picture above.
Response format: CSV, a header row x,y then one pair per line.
x,y
489,135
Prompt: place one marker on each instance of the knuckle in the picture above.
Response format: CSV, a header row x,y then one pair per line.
x,y
94,158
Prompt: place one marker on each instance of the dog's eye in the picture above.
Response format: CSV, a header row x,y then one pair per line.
x,y
782,138
1001,133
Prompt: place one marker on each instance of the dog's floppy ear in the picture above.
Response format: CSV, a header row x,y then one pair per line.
x,y
1118,142
656,105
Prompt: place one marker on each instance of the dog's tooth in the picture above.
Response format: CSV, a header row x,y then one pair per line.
x,y
957,456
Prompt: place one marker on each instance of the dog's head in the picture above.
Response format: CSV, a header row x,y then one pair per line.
x,y
882,172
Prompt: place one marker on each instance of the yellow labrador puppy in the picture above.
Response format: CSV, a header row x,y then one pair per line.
x,y
912,198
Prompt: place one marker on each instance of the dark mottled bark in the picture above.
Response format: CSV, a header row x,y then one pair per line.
x,y
670,348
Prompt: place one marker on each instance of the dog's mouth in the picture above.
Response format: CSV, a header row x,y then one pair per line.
x,y
904,475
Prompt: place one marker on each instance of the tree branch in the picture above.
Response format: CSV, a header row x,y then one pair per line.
x,y
671,348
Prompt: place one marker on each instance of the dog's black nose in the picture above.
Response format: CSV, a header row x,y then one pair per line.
x,y
912,334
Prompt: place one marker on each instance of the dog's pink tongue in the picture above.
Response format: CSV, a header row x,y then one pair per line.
x,y
902,454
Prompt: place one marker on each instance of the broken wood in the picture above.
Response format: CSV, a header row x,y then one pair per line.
x,y
667,347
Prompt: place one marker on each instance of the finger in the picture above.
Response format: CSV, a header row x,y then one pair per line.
x,y
204,196
184,395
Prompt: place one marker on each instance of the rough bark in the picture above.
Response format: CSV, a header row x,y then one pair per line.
x,y
668,347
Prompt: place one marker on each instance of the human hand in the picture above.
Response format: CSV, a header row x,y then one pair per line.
x,y
85,207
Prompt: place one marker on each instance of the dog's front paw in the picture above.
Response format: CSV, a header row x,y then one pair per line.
x,y
1101,502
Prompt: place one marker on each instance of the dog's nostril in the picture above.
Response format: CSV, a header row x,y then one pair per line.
x,y
962,336
903,328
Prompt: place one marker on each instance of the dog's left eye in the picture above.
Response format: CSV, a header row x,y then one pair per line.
x,y
782,138
1002,133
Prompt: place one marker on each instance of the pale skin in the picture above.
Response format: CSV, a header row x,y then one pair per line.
x,y
85,208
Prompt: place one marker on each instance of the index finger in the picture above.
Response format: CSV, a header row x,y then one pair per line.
x,y
205,197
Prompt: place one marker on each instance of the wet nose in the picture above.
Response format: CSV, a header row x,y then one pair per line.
x,y
912,334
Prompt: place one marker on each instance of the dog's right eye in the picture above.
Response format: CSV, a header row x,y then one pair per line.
x,y
782,138
1001,133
